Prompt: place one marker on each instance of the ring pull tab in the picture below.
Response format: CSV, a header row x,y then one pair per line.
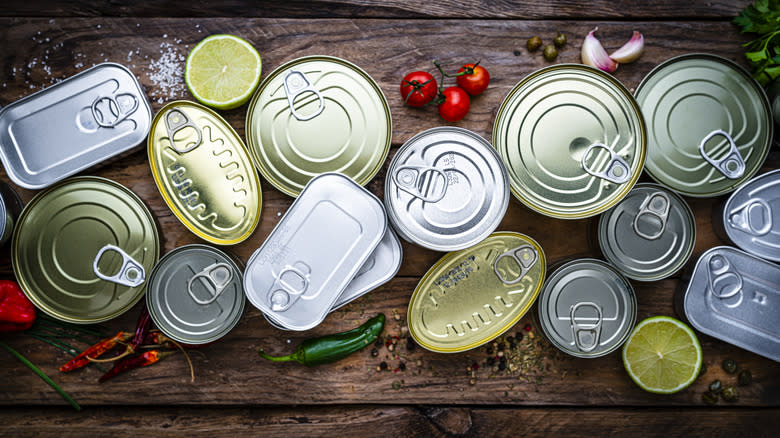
x,y
618,171
724,282
586,336
296,84
131,274
424,182
176,121
109,111
217,277
655,207
732,166
525,256
290,284
754,217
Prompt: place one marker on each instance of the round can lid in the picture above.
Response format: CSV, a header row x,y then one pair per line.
x,y
709,124
318,114
586,308
82,249
446,189
195,294
573,141
470,297
751,216
649,235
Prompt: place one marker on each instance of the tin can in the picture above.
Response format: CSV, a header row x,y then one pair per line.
x,y
72,125
10,207
587,308
709,124
732,295
195,294
313,253
446,189
750,218
470,297
573,141
318,114
649,235
82,249
204,173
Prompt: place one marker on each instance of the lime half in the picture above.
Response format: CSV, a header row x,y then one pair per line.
x,y
662,355
223,71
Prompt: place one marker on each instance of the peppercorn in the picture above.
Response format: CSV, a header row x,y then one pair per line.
x,y
709,398
374,352
559,40
501,366
472,382
396,385
379,342
533,43
729,366
519,336
716,387
502,359
517,53
390,347
491,361
402,366
410,344
383,366
729,394
744,378
489,351
527,328
550,52
501,347
512,345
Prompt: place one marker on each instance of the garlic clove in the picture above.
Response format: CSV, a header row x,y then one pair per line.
x,y
631,50
593,54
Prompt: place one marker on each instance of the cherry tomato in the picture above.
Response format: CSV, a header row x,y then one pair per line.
x,y
474,80
418,88
456,104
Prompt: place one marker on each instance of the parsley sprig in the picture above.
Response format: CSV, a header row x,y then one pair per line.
x,y
763,53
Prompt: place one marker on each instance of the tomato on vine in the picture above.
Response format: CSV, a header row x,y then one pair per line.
x,y
418,88
456,104
473,78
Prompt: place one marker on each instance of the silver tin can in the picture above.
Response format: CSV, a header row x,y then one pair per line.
x,y
10,207
317,248
446,189
75,124
587,308
649,235
750,218
732,295
195,294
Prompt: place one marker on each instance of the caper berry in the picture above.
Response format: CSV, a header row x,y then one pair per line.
x,y
709,398
729,366
559,40
744,378
729,394
716,387
533,43
550,52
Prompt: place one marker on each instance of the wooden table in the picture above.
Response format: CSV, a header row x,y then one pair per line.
x,y
235,392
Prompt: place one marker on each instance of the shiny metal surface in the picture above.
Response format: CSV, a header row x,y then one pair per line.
x,y
751,216
10,208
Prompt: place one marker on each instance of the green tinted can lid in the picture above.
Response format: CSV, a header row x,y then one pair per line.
x,y
649,235
195,294
314,115
573,141
709,124
83,248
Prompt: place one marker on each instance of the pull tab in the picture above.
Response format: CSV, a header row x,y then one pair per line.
x,y
424,182
131,274
732,166
176,121
217,277
586,336
525,256
723,281
109,111
754,217
617,171
296,84
656,208
290,284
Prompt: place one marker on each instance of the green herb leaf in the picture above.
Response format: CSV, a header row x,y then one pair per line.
x,y
763,53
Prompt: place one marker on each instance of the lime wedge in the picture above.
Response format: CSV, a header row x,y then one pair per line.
x,y
662,355
223,71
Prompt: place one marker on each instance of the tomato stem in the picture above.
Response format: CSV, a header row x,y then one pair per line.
x,y
417,87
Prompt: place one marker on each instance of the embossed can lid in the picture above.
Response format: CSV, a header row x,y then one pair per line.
x,y
751,216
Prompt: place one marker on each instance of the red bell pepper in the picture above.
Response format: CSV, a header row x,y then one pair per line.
x,y
17,313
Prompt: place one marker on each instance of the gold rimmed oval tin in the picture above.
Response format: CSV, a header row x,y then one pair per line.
x,y
83,248
204,173
573,141
314,115
471,296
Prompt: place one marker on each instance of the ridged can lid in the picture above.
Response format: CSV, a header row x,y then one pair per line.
x,y
751,216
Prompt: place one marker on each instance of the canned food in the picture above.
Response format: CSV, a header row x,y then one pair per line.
x,y
729,295
709,124
318,114
195,294
317,248
446,189
573,141
10,207
72,125
587,308
751,216
649,235
470,297
82,249
203,172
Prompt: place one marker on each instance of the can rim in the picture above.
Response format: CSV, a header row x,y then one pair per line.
x,y
724,214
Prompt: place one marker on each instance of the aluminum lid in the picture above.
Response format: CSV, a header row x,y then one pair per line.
x,y
195,294
318,114
446,189
72,125
586,308
82,249
751,216
709,124
572,139
649,235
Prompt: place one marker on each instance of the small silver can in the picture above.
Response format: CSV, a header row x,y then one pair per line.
x,y
10,207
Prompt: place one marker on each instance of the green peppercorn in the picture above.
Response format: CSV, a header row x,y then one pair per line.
x,y
550,52
729,394
396,385
716,387
744,378
559,40
533,43
709,398
729,366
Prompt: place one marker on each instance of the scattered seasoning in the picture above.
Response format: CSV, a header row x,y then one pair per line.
x,y
519,336
402,366
527,327
374,352
517,53
709,398
533,43
502,366
418,362
729,394
472,382
716,387
729,366
383,366
166,74
744,378
410,344
396,385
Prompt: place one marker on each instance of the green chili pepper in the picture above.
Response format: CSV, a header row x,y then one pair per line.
x,y
337,346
